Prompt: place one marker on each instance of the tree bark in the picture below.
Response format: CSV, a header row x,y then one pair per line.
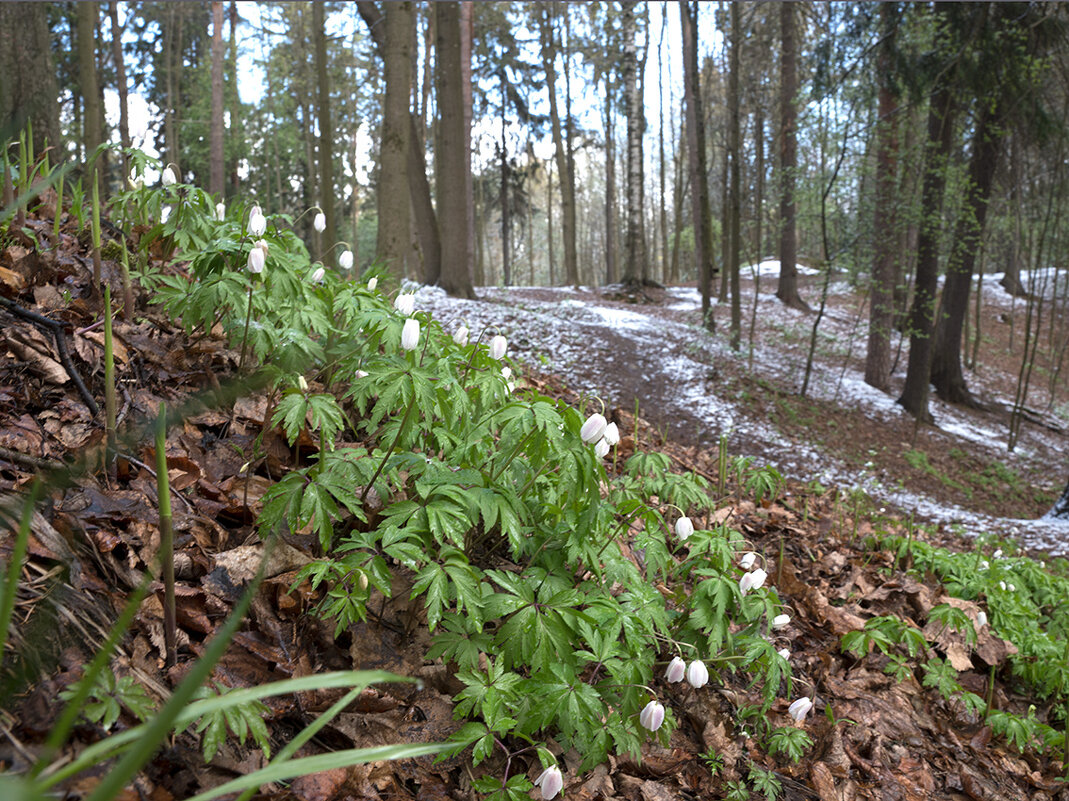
x,y
787,290
610,184
634,263
701,213
567,189
452,158
947,375
393,242
467,33
735,145
216,160
1060,510
326,135
28,87
235,129
503,195
922,312
87,80
884,272
120,82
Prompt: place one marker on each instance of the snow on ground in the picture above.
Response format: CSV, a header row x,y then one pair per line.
x,y
564,331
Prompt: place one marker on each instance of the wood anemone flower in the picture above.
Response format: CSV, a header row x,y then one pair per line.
x,y
551,782
652,716
410,334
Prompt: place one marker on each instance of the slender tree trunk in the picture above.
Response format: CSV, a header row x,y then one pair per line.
x,y
394,242
549,221
736,193
788,241
634,264
503,197
884,274
235,130
467,33
947,376
452,161
216,161
120,82
922,312
665,274
610,184
326,135
567,189
87,79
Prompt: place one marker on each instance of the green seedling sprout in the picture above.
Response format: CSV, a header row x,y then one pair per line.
x,y
163,489
96,236
127,288
18,553
59,212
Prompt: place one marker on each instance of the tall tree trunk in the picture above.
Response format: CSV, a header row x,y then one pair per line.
x,y
1060,510
787,290
422,217
326,135
235,128
610,184
701,214
452,158
922,312
28,87
393,243
884,272
467,34
120,82
87,80
216,160
735,146
635,257
947,376
567,189
503,196
549,221
665,277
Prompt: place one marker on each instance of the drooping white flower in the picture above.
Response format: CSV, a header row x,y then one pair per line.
x,y
498,346
684,528
997,554
551,781
781,622
302,383
506,372
257,222
220,211
317,276
460,336
677,668
134,181
784,652
168,177
320,222
1011,588
601,450
984,564
697,674
612,434
372,282
165,214
593,428
754,580
1002,585
652,716
981,619
800,708
405,304
361,374
410,334
345,260
747,560
256,261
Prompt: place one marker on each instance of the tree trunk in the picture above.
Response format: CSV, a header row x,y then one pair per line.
x,y
549,221
735,145
393,242
235,128
120,82
922,312
634,263
1060,510
87,80
467,33
452,158
503,196
787,290
326,135
946,375
567,190
28,87
665,277
216,161
884,274
610,184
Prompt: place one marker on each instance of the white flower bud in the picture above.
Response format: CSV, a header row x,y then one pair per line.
x,y
551,782
220,211
781,622
754,580
317,276
593,429
134,181
345,260
410,334
981,619
784,652
506,372
169,178
997,554
460,336
684,528
256,260
372,282
320,222
405,304
800,708
748,560
257,222
612,434
361,374
165,214
601,450
676,670
498,346
652,716
697,674
302,383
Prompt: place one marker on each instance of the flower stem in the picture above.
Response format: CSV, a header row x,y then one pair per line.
x,y
393,447
245,334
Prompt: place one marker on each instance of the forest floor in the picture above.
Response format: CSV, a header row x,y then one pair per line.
x,y
882,739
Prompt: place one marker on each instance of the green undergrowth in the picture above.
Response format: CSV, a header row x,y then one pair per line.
x,y
1024,601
